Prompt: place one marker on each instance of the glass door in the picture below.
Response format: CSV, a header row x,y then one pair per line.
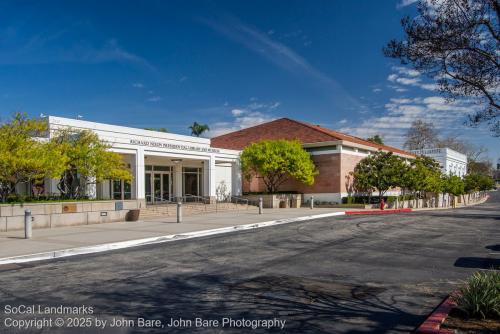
x,y
149,189
191,184
166,186
157,186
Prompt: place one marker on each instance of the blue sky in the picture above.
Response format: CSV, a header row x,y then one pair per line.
x,y
229,64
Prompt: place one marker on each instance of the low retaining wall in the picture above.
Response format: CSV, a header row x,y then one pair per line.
x,y
276,201
57,214
441,201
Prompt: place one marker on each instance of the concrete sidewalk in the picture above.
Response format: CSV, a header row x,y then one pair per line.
x,y
50,240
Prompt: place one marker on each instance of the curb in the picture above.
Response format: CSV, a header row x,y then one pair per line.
x,y
378,212
154,240
432,325
173,237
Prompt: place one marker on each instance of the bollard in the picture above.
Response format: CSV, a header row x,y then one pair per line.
x,y
312,202
179,212
260,205
27,224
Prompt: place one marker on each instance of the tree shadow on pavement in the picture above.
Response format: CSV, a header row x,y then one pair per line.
x,y
458,215
495,248
477,262
307,305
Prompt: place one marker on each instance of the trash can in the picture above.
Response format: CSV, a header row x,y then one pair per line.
x,y
132,215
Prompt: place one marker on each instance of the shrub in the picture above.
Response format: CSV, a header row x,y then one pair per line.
x,y
480,296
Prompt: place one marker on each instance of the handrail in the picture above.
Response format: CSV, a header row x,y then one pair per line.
x,y
237,198
161,200
198,199
183,199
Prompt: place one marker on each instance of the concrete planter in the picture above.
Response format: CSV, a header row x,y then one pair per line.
x,y
55,214
132,215
276,201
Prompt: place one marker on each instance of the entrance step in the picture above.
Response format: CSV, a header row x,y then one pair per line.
x,y
188,209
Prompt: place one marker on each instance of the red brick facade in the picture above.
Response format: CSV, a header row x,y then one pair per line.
x,y
333,168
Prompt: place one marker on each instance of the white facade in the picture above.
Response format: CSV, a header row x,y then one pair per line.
x,y
451,162
164,166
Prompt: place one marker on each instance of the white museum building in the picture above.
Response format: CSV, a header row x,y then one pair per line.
x,y
451,162
167,166
164,166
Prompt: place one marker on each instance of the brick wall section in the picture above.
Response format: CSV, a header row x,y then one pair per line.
x,y
333,168
327,181
348,163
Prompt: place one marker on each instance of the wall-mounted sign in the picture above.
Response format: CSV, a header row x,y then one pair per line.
x,y
69,208
150,143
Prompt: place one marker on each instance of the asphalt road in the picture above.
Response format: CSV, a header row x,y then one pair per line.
x,y
353,274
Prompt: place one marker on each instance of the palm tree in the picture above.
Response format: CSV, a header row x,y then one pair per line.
x,y
198,129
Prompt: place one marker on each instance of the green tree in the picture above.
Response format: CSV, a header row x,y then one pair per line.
x,y
362,184
89,161
197,129
380,171
276,161
486,182
23,157
478,182
453,185
429,175
376,139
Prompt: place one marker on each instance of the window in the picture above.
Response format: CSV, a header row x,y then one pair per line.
x,y
121,190
161,168
116,190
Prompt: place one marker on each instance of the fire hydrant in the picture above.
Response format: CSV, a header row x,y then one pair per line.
x,y
382,204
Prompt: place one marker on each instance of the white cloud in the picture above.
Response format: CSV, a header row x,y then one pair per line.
x,y
401,112
237,112
431,86
154,99
408,81
376,90
408,77
405,3
137,85
406,71
246,116
76,52
276,52
398,88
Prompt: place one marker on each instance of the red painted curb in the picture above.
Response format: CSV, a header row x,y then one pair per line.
x,y
432,325
377,212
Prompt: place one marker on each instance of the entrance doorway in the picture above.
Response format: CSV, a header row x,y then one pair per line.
x,y
158,185
191,181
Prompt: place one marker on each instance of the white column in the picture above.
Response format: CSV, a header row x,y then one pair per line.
x,y
140,186
209,177
177,180
236,179
91,188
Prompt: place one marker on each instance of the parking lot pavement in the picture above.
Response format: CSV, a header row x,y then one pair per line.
x,y
356,274
55,239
